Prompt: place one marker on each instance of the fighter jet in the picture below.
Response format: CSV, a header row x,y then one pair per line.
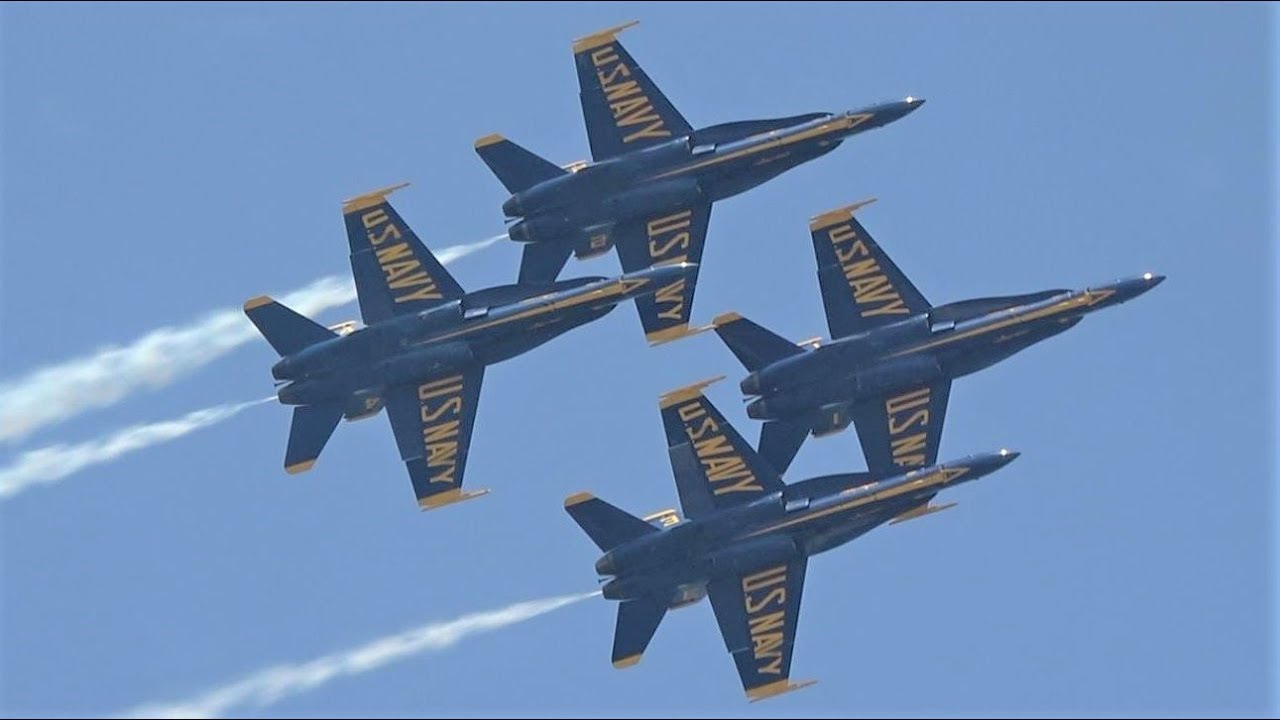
x,y
653,178
424,347
745,538
889,366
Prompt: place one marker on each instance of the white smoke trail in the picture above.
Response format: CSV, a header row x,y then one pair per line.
x,y
271,685
50,464
56,393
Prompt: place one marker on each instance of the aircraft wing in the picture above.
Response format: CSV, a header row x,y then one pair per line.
x,y
714,466
757,613
432,421
672,237
623,109
902,431
861,287
394,272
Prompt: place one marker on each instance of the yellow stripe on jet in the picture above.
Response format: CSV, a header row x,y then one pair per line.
x,y
940,477
1088,298
837,216
688,392
775,688
369,199
841,124
600,37
627,661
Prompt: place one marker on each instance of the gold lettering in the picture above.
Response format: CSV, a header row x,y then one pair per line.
x,y
654,130
681,239
630,107
443,386
395,270
746,485
603,56
445,430
454,402
420,278
897,307
860,268
906,401
606,81
691,411
766,623
919,418
909,444
669,223
841,233
672,295
706,426
622,90
763,579
720,469
376,216
426,293
715,445
767,644
390,231
393,254
776,596
773,668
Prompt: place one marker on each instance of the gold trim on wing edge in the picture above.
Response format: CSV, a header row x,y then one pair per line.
x,y
600,37
369,199
775,688
578,498
254,303
838,215
487,140
448,497
688,392
627,661
299,467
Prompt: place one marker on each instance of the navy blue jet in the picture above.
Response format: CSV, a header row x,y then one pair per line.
x,y
653,177
892,358
746,537
424,347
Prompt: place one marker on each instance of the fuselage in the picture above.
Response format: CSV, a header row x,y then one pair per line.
x,y
805,519
949,341
484,328
705,166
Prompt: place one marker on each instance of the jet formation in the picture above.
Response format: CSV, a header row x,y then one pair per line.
x,y
742,537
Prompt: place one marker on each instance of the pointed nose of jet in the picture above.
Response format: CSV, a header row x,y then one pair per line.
x,y
1123,290
885,113
987,463
650,279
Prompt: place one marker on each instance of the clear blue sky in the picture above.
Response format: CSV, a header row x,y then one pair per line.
x,y
160,162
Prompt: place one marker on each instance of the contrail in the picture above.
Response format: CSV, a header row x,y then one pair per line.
x,y
50,464
271,685
56,393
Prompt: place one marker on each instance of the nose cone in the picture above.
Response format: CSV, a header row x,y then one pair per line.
x,y
988,463
885,113
649,280
1124,290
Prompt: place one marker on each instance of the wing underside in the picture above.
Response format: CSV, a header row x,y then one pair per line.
x,y
902,431
758,613
433,421
665,238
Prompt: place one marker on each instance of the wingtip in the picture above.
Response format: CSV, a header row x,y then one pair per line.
x,y
448,497
256,302
600,37
837,215
300,467
371,198
726,318
688,392
628,661
577,499
675,332
776,688
487,140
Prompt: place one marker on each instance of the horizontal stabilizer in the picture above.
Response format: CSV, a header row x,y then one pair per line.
x,y
638,620
517,169
780,440
541,262
607,526
753,345
312,427
287,331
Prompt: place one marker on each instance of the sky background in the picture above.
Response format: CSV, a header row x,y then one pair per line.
x,y
160,162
